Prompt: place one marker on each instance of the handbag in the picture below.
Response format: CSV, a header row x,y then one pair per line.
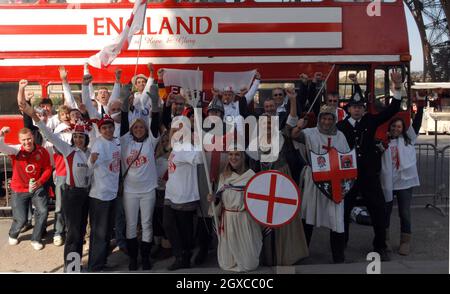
x,y
122,178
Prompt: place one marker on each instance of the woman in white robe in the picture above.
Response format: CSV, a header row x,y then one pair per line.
x,y
240,237
317,210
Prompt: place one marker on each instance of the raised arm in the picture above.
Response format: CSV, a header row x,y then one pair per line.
x,y
394,107
46,132
255,85
21,99
86,99
154,96
143,99
115,94
5,148
69,100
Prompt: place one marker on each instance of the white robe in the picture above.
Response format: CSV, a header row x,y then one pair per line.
x,y
240,243
316,208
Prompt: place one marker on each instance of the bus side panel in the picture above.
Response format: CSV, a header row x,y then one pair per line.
x,y
15,122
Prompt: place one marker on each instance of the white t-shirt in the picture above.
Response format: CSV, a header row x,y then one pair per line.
x,y
141,177
106,169
182,186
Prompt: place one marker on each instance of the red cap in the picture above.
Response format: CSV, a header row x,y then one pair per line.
x,y
105,120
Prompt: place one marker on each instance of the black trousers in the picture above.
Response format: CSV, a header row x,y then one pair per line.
x,y
204,232
158,230
369,187
179,228
337,242
101,215
75,204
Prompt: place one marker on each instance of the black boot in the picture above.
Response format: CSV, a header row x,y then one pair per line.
x,y
337,241
132,245
201,256
146,247
177,264
186,259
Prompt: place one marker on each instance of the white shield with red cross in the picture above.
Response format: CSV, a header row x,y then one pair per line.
x,y
272,198
334,173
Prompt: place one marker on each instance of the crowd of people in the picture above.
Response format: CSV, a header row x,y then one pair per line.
x,y
116,174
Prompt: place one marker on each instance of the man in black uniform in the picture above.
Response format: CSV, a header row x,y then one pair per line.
x,y
359,129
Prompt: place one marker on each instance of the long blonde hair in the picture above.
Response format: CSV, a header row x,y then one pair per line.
x,y
228,170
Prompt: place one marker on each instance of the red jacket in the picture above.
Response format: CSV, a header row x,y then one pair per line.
x,y
27,165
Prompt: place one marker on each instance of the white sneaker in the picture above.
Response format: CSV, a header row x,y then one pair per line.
x,y
37,245
57,240
13,241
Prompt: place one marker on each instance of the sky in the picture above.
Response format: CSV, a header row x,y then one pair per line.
x,y
415,44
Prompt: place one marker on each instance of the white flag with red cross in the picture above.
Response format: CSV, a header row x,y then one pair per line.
x,y
272,198
134,24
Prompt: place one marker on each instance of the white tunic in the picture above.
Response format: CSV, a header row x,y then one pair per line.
x,y
240,240
317,209
106,169
141,177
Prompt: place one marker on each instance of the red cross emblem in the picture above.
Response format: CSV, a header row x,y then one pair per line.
x,y
272,198
334,173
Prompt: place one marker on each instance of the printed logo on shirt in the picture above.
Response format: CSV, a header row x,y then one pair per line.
x,y
30,168
115,164
171,165
138,162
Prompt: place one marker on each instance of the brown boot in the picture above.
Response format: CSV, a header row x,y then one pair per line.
x,y
405,240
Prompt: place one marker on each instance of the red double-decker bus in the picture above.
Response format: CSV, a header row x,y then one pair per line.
x,y
280,39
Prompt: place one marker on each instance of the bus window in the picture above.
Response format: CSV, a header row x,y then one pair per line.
x,y
56,94
265,91
8,96
380,84
345,85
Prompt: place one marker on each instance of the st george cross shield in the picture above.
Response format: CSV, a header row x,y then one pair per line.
x,y
334,173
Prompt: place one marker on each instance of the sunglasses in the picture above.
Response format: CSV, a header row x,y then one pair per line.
x,y
331,100
278,94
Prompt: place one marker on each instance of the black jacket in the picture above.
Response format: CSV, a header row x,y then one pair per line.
x,y
362,137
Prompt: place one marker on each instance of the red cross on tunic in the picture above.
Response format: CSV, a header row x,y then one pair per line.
x,y
327,147
272,198
335,175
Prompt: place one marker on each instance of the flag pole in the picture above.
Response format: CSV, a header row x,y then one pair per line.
x,y
140,41
321,88
205,162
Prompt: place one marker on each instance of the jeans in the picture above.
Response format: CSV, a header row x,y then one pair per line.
x,y
404,198
145,203
20,203
75,205
59,226
101,215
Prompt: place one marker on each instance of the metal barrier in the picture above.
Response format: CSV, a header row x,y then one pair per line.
x,y
5,206
440,200
433,169
427,156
